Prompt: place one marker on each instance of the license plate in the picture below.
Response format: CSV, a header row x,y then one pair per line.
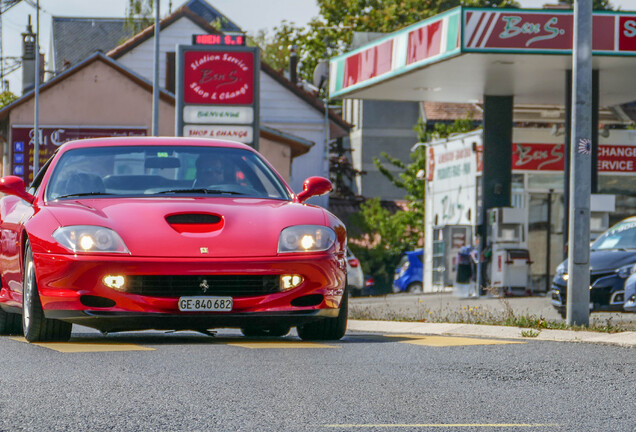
x,y
205,303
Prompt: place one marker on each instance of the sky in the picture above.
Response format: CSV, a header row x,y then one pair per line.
x,y
263,17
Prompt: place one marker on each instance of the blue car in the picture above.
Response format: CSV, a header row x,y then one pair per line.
x,y
408,274
630,294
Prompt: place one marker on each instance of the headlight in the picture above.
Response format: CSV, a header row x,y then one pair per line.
x,y
561,271
625,271
306,238
88,238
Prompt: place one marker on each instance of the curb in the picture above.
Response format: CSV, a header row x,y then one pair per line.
x,y
623,339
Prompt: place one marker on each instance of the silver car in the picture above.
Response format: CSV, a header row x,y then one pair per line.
x,y
355,276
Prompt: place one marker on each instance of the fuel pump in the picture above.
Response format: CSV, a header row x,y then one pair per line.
x,y
510,262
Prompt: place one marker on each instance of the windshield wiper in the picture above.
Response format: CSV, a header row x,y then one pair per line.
x,y
84,194
199,190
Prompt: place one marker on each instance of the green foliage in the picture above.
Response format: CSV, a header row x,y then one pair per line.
x,y
597,4
443,130
139,15
6,97
341,171
389,235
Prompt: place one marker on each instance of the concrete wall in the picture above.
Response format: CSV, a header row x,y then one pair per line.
x,y
380,126
279,155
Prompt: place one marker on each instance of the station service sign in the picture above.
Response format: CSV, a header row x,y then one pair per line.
x,y
217,89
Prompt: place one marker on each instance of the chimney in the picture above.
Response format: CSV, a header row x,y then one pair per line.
x,y
293,64
28,59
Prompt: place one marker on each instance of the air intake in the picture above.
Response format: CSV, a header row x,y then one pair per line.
x,y
195,222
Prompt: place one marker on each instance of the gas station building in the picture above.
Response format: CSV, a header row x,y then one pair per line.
x,y
506,60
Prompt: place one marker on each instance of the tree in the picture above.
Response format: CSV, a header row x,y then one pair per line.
x,y
139,15
596,4
341,171
6,97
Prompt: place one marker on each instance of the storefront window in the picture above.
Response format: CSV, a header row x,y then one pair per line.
x,y
624,189
545,181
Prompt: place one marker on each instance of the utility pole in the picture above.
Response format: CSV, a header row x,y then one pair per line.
x,y
155,76
578,296
36,115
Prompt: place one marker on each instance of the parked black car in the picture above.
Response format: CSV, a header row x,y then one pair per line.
x,y
612,259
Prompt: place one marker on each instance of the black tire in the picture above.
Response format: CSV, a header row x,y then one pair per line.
x,y
10,323
276,331
327,328
36,327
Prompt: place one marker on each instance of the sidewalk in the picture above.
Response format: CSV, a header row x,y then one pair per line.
x,y
624,339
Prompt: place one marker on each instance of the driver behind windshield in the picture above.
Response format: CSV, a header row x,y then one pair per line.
x,y
210,171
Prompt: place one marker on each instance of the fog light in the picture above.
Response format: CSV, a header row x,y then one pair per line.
x,y
288,282
115,282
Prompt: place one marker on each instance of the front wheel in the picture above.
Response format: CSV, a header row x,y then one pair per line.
x,y
414,287
36,327
10,323
327,328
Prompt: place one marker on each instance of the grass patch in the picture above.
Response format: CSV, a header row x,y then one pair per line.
x,y
505,316
529,333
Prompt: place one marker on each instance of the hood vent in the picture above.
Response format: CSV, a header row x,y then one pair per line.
x,y
195,222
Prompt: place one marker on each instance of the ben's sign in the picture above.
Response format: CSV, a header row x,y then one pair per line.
x,y
545,31
217,92
223,78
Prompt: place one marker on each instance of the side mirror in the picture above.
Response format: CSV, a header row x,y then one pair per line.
x,y
13,185
314,186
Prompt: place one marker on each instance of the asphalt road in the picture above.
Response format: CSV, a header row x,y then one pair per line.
x,y
155,381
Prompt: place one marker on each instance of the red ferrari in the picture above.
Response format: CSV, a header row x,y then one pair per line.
x,y
168,233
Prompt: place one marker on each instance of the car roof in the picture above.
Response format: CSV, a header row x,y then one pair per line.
x,y
152,141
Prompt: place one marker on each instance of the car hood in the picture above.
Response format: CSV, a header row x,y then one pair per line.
x,y
246,227
608,260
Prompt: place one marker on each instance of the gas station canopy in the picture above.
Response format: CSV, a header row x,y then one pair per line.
x,y
466,53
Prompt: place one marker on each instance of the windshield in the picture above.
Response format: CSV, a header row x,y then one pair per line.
x,y
620,236
162,170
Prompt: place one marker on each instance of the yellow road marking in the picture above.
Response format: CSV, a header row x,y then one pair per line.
x,y
445,425
83,347
447,341
287,344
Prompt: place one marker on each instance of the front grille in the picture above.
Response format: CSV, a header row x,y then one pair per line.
x,y
596,276
213,285
603,284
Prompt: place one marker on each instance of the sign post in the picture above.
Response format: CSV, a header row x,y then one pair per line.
x,y
218,92
578,296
